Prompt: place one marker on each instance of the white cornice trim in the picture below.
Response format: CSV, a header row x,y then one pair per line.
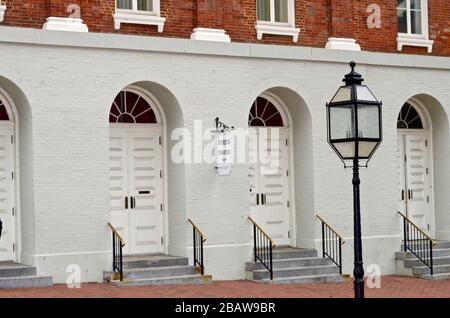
x,y
108,41
405,40
262,29
65,24
215,35
138,18
347,44
2,12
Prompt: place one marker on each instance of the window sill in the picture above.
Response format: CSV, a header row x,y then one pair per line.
x,y
138,18
408,40
262,29
2,12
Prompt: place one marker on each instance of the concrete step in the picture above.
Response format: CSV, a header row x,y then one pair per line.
x,y
290,262
177,280
10,269
437,269
443,276
315,279
130,262
410,263
439,245
154,272
25,282
289,253
296,272
436,253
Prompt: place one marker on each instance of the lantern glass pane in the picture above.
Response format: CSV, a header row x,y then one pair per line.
x,y
368,121
343,94
346,149
363,93
366,148
342,122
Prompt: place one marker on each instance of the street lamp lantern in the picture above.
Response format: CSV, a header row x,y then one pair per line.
x,y
355,132
354,120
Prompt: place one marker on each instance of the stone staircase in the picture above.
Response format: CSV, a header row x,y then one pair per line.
x,y
295,266
409,265
157,269
14,275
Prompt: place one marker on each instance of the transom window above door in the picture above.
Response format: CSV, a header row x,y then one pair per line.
x,y
276,17
138,12
264,114
409,118
131,108
412,21
3,112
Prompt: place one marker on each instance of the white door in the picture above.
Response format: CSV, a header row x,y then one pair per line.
x,y
136,186
415,175
269,182
7,239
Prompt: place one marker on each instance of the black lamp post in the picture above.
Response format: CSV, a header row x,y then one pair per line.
x,y
355,132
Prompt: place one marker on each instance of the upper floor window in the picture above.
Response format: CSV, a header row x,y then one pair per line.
x,y
138,12
136,5
412,20
276,11
276,17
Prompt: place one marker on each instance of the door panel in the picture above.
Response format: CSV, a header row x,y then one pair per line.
x,y
272,181
135,156
417,179
402,194
119,183
6,192
145,186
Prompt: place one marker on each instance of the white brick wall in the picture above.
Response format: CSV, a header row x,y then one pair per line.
x,y
70,90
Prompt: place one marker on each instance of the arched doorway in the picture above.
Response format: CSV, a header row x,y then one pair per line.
x,y
416,165
136,171
269,158
8,177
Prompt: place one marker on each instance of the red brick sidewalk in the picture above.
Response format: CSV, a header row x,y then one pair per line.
x,y
391,287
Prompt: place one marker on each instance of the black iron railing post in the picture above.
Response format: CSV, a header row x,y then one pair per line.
x,y
340,256
121,262
201,251
418,242
431,258
254,242
323,239
271,263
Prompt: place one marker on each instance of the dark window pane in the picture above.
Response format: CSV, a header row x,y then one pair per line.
x,y
402,21
124,4
263,10
416,4
264,114
129,107
416,22
409,118
401,4
3,112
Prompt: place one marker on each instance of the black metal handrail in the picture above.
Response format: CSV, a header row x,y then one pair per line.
x,y
418,242
332,244
262,247
118,244
199,238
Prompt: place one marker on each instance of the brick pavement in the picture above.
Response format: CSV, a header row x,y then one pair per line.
x,y
391,287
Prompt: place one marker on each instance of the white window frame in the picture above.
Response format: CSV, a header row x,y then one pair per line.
x,y
136,16
278,28
2,11
410,39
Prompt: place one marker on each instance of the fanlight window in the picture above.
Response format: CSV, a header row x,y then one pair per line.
x,y
3,112
264,114
129,107
409,118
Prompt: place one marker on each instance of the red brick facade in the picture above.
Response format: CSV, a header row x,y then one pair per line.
x,y
317,19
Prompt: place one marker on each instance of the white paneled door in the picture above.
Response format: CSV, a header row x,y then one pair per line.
x,y
415,178
7,240
269,181
136,186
